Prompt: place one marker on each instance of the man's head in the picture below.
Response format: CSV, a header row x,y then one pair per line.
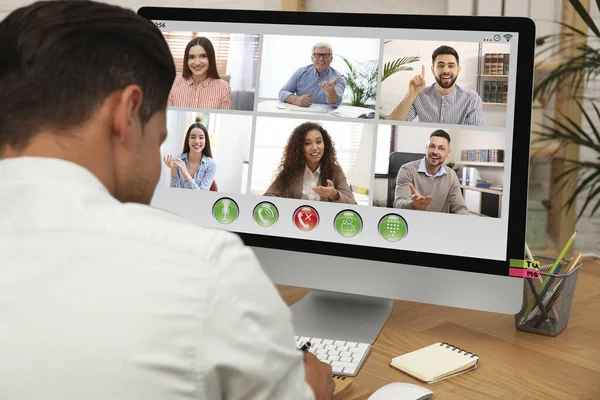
x,y
321,56
87,82
445,66
438,149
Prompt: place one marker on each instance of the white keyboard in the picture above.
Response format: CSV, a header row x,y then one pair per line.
x,y
345,358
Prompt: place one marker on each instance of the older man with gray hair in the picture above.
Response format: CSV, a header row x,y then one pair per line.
x,y
316,83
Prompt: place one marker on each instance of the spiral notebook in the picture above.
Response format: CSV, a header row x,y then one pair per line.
x,y
436,362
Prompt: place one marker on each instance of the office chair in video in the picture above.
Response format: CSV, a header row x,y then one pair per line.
x,y
398,159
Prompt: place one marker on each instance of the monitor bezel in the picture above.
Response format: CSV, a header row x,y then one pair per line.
x,y
517,211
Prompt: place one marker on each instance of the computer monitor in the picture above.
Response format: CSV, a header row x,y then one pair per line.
x,y
296,116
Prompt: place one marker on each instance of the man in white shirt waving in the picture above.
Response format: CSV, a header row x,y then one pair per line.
x,y
101,296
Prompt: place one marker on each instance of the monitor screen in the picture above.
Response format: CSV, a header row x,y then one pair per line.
x,y
401,139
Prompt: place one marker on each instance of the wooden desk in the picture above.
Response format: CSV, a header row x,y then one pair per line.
x,y
513,365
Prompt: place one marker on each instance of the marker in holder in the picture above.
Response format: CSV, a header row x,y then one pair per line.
x,y
547,301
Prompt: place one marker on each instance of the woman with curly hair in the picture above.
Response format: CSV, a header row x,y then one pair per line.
x,y
309,168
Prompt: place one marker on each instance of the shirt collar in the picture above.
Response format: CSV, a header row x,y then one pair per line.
x,y
423,169
190,81
184,157
47,169
447,96
307,171
317,73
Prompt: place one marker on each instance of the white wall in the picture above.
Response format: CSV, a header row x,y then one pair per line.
x,y
380,6
395,88
282,55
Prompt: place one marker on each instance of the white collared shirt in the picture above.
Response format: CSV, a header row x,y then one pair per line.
x,y
104,300
311,180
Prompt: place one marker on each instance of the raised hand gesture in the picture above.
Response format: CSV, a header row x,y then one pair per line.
x,y
419,202
417,84
168,160
329,86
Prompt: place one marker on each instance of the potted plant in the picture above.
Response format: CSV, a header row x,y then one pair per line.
x,y
361,79
575,72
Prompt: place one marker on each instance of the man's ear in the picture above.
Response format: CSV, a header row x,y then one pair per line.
x,y
127,104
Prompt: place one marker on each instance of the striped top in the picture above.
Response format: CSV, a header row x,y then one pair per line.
x,y
210,93
202,178
462,107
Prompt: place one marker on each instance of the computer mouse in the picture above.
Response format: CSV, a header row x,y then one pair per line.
x,y
401,391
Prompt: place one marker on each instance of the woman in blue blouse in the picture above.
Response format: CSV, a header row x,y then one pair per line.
x,y
194,168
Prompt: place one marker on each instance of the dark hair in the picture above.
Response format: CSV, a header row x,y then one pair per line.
x,y
442,134
186,145
210,52
293,161
444,50
59,60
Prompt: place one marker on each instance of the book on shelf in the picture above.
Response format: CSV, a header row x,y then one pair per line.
x,y
496,63
483,155
495,91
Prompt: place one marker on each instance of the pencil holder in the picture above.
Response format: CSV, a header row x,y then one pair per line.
x,y
547,300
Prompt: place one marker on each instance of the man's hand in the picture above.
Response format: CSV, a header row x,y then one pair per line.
x,y
417,84
329,86
419,202
319,377
303,101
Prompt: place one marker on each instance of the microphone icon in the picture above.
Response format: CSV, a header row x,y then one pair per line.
x,y
225,209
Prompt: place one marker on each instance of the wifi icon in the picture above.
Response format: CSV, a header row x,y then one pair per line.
x,y
508,36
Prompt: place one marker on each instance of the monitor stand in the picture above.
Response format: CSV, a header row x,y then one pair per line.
x,y
340,316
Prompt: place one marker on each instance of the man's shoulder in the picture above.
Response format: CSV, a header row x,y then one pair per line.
x,y
163,229
336,72
451,173
428,90
411,166
467,92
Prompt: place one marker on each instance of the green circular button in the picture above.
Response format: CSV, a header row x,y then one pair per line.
x,y
225,210
392,227
265,214
348,223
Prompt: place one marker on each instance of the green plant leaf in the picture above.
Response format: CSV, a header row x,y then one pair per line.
x,y
399,64
585,16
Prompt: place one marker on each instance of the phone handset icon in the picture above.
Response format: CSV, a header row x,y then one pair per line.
x,y
265,214
301,221
262,217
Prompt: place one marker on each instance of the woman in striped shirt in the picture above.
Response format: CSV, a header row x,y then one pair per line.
x,y
200,85
194,168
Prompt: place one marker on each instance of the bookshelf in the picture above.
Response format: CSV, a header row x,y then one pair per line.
x,y
492,73
481,164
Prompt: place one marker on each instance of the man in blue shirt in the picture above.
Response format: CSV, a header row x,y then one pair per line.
x,y
317,83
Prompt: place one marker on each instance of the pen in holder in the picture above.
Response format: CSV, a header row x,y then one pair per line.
x,y
547,301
